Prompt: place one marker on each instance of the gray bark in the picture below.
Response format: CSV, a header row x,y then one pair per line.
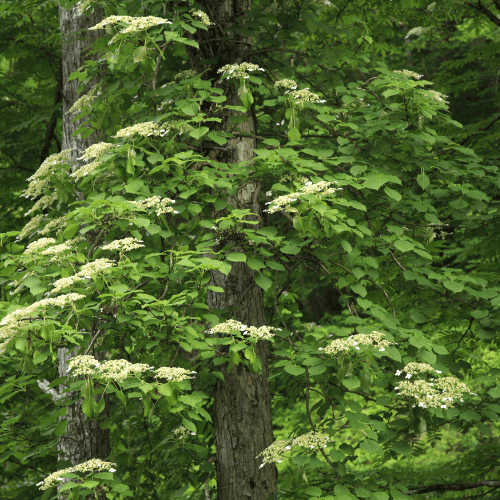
x,y
243,423
84,439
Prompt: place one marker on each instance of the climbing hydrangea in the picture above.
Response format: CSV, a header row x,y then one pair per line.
x,y
173,374
202,17
124,245
15,317
38,181
284,202
439,393
145,129
260,333
286,84
29,227
38,244
239,70
408,74
162,205
417,31
182,432
304,95
86,100
277,451
92,465
55,225
43,203
133,23
96,152
376,339
113,369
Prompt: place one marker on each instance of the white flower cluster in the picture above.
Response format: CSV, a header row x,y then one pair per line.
x,y
414,368
286,84
124,245
134,23
43,203
439,393
144,129
277,451
63,247
376,339
14,318
182,432
86,100
38,244
173,374
95,267
417,31
304,95
431,6
92,465
283,202
113,369
96,152
239,70
161,204
56,224
408,74
38,181
437,96
202,17
29,227
260,333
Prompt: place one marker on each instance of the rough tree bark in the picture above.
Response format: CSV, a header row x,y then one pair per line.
x,y
85,439
243,423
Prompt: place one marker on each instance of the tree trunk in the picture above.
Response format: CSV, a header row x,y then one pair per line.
x,y
243,423
84,439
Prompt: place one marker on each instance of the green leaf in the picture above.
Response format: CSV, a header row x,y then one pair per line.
x,y
495,392
454,286
262,280
139,54
359,289
392,193
352,382
61,427
470,415
294,134
317,370
402,448
236,257
423,181
255,263
199,132
275,265
404,246
371,446
295,370
87,407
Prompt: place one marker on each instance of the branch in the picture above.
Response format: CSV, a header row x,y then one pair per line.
x,y
482,129
485,11
453,486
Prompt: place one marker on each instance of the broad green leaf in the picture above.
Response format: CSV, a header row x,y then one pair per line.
x,y
294,370
262,280
236,257
199,132
402,448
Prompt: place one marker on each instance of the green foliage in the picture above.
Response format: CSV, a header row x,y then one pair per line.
x,y
380,224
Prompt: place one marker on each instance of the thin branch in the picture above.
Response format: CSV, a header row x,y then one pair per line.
x,y
453,486
485,11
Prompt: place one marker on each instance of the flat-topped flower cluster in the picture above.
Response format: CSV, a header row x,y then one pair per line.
x,y
304,95
408,74
286,84
239,70
277,451
133,23
284,202
375,339
124,245
438,393
38,181
162,205
202,17
96,152
92,465
120,369
259,333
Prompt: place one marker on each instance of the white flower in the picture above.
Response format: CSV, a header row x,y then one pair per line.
x,y
383,349
409,375
398,373
112,470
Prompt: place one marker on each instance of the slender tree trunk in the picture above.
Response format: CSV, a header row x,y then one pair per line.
x,y
85,439
243,423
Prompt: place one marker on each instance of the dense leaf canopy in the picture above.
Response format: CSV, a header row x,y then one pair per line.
x,y
376,165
